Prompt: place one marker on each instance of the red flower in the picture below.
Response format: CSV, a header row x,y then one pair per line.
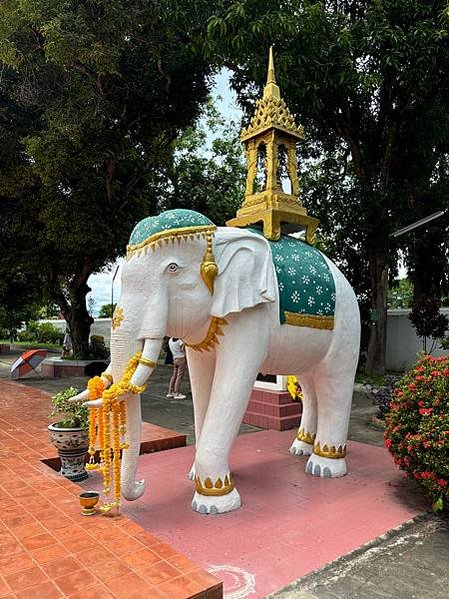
x,y
398,393
421,404
446,372
436,373
419,377
388,443
425,411
442,482
420,369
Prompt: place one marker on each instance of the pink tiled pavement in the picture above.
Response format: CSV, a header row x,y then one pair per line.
x,y
290,523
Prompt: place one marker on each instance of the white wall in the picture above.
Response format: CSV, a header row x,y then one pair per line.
x,y
402,342
101,326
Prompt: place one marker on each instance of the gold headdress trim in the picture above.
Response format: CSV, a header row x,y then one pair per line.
x,y
158,239
209,269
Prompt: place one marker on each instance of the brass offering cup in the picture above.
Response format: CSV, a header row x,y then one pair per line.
x,y
88,499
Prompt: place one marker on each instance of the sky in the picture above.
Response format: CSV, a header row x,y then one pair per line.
x,y
101,283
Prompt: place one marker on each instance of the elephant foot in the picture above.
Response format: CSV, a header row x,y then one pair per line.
x,y
204,504
301,448
326,467
191,475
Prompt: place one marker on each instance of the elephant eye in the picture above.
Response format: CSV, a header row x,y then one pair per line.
x,y
172,267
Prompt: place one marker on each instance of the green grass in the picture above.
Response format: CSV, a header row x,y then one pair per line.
x,y
30,345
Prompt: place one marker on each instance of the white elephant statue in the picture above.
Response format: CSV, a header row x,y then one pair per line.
x,y
242,305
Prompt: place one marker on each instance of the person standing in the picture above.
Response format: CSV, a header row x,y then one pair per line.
x,y
179,365
66,345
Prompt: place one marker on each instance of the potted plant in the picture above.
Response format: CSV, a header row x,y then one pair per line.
x,y
70,434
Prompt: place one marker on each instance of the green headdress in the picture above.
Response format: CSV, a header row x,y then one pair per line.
x,y
175,225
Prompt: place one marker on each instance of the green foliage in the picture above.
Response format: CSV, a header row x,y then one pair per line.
x,y
72,414
417,432
429,322
107,310
92,96
41,332
368,81
97,348
400,294
206,171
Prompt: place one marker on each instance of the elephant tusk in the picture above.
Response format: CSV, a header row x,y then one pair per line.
x,y
81,396
96,403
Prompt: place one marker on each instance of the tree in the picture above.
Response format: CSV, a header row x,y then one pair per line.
x,y
107,85
429,322
400,295
369,82
205,171
107,310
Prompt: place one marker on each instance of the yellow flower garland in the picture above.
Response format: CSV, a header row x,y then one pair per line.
x,y
292,387
100,425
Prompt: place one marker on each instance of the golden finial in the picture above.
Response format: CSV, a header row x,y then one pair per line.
x,y
271,89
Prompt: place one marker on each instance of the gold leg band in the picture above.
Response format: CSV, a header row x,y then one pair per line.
x,y
221,487
305,437
330,451
147,362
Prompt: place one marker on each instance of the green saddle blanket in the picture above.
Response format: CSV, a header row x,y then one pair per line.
x,y
306,285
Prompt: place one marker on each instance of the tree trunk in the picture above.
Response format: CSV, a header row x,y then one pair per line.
x,y
80,320
377,345
76,315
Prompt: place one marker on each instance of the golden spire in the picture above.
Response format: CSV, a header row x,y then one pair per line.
x,y
271,89
270,145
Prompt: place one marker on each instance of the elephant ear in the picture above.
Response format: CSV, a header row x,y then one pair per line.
x,y
246,274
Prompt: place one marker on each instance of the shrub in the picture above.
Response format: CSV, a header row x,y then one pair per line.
x,y
417,433
48,333
428,321
384,396
72,414
97,348
41,332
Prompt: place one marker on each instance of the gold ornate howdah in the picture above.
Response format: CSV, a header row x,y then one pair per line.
x,y
270,142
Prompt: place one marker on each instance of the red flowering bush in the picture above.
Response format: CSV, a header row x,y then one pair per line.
x,y
417,433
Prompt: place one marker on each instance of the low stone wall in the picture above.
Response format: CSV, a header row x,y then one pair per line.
x,y
59,368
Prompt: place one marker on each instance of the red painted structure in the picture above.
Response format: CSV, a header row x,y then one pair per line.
x,y
273,410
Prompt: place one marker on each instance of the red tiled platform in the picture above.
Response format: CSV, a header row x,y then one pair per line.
x,y
273,410
290,523
48,550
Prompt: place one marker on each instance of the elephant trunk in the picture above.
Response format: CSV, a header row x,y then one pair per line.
x,y
121,351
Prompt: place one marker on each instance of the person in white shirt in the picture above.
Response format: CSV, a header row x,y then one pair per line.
x,y
179,365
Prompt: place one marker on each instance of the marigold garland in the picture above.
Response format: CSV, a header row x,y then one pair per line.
x,y
294,388
108,423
